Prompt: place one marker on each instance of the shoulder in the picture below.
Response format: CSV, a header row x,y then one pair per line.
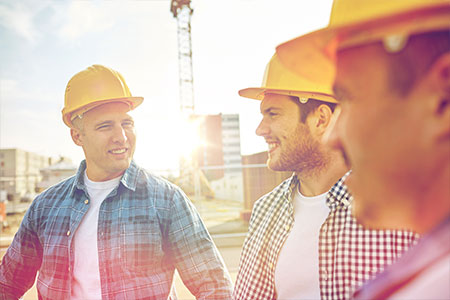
x,y
276,194
49,201
58,191
155,182
61,190
265,206
159,190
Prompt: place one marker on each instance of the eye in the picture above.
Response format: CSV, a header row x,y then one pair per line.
x,y
128,124
103,127
272,114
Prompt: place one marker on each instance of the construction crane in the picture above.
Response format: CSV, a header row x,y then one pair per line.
x,y
182,11
190,173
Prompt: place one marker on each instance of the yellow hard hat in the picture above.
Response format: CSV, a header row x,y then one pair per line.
x,y
92,87
357,22
279,80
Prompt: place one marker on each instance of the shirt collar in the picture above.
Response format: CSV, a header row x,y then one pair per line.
x,y
293,184
129,178
339,195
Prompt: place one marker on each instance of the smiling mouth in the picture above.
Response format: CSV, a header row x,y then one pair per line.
x,y
118,151
272,146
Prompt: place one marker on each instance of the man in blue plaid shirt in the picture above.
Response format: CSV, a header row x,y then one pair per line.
x,y
112,231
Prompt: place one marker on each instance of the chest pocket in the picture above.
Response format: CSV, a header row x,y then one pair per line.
x,y
140,242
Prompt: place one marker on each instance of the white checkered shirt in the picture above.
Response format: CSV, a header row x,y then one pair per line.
x,y
349,255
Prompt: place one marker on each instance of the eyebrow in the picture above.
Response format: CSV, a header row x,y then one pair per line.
x,y
269,109
128,119
103,123
109,122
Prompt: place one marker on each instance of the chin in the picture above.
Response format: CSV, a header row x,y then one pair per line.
x,y
123,165
273,166
372,214
368,220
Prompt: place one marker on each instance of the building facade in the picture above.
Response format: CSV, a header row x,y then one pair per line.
x,y
20,173
219,156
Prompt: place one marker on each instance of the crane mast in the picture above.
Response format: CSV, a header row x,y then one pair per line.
x,y
182,11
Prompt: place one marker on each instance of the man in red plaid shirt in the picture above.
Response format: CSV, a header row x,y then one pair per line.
x,y
303,242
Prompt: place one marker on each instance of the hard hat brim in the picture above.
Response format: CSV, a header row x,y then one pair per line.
x,y
132,102
258,94
313,55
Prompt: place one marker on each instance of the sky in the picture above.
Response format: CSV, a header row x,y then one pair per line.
x,y
44,43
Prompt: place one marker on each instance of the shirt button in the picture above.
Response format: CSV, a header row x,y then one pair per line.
x,y
68,233
325,274
86,201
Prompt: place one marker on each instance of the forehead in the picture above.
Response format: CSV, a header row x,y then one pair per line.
x,y
360,68
277,101
108,111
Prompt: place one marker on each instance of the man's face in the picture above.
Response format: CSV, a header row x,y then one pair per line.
x,y
379,132
108,139
291,145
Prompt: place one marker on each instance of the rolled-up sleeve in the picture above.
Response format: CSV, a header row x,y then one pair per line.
x,y
194,254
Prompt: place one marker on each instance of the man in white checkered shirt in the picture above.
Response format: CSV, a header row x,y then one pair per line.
x,y
303,242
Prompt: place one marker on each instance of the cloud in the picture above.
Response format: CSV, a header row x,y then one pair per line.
x,y
85,17
8,85
19,18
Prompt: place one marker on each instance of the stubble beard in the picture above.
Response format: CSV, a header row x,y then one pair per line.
x,y
301,154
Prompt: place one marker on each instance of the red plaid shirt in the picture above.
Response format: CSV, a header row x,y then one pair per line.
x,y
349,254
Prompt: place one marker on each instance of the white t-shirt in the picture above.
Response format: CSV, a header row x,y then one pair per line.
x,y
297,270
86,275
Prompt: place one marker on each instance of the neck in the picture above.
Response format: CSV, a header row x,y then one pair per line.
x,y
101,176
319,181
417,207
433,205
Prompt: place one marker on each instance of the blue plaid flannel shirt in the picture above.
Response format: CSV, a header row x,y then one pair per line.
x,y
147,228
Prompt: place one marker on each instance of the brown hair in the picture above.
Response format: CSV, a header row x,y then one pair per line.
x,y
310,106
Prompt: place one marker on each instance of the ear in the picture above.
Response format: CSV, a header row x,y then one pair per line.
x,y
438,77
323,115
76,136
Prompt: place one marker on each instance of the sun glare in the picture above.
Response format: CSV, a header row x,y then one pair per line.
x,y
163,143
190,137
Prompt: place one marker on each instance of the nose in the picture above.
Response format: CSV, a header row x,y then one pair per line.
x,y
331,136
119,135
262,129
